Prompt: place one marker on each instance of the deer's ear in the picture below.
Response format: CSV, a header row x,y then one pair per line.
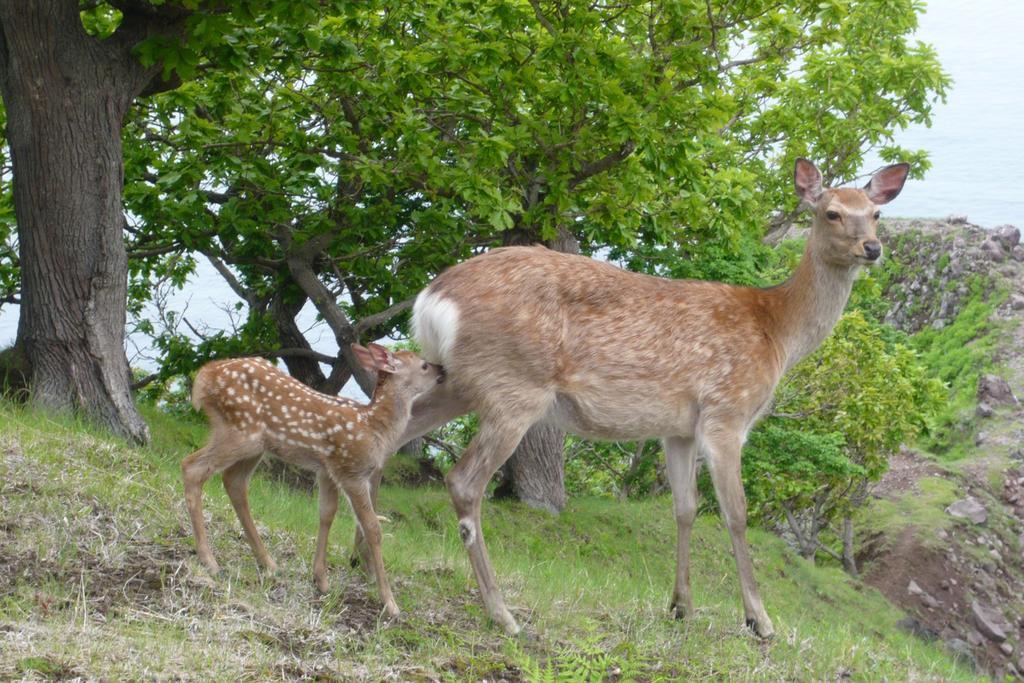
x,y
376,357
383,359
885,185
807,180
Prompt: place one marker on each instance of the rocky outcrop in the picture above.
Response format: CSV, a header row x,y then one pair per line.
x,y
968,508
962,580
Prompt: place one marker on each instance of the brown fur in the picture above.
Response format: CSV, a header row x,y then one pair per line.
x,y
253,407
527,334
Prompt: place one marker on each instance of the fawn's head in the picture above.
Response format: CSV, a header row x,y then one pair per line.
x,y
405,371
846,218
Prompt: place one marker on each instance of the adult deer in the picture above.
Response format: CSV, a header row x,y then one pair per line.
x,y
527,334
254,407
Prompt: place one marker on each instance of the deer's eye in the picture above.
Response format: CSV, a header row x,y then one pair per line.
x,y
877,214
832,215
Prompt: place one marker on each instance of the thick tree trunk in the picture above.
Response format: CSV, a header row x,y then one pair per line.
x,y
306,370
849,556
66,95
535,474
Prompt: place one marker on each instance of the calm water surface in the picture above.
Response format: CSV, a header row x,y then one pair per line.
x,y
976,145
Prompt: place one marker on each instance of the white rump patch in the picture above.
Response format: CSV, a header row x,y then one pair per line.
x,y
435,323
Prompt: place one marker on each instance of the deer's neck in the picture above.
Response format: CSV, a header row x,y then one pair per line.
x,y
809,304
387,416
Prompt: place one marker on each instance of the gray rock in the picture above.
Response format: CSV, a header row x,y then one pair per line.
x,y
968,508
1017,254
995,390
912,625
956,218
1006,648
1016,302
961,650
1007,235
990,622
993,250
929,601
938,324
975,638
984,410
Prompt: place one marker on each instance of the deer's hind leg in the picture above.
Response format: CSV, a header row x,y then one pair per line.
x,y
499,433
236,483
223,450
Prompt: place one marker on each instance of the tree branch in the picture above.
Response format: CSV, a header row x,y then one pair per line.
x,y
384,316
544,21
229,277
297,353
603,164
344,333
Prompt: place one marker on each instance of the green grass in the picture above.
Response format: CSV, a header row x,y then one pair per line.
x,y
924,508
959,354
101,581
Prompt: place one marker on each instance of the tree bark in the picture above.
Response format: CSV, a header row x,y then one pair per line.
x,y
849,557
66,95
306,370
535,474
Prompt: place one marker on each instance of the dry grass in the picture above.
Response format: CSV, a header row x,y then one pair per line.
x,y
98,580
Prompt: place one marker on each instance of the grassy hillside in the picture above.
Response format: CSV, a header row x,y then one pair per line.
x,y
98,578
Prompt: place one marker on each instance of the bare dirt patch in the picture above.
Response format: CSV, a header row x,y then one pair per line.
x,y
906,468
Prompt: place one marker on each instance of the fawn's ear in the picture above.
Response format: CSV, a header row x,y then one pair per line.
x,y
807,179
376,357
885,185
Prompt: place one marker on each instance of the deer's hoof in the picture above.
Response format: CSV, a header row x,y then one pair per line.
x,y
680,609
212,568
762,628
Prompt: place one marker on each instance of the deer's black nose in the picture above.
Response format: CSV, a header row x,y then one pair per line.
x,y
872,250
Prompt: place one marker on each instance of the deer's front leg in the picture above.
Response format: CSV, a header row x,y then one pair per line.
x,y
723,444
328,494
681,463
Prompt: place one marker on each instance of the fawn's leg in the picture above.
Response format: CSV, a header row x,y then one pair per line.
x,y
236,483
328,508
359,555
358,493
223,450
